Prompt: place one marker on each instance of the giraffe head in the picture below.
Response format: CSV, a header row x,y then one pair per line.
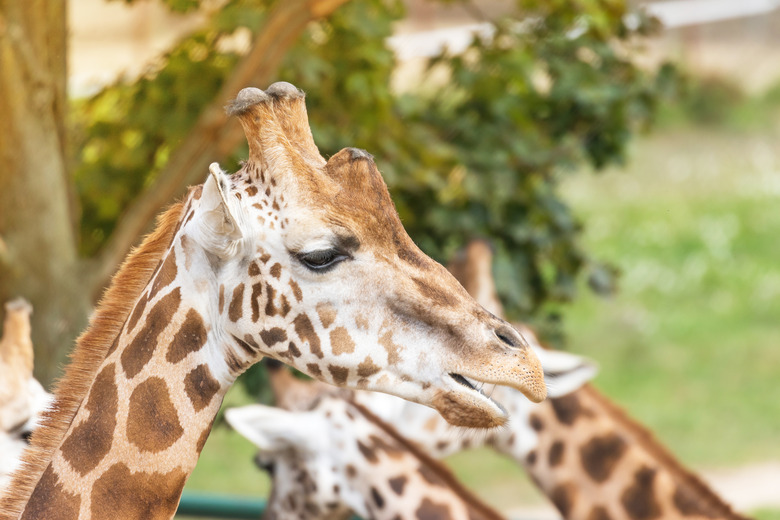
x,y
338,457
314,268
564,373
22,398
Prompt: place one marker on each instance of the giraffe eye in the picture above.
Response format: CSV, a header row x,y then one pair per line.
x,y
322,260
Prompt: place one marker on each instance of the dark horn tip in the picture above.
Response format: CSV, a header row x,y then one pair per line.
x,y
246,99
357,153
282,89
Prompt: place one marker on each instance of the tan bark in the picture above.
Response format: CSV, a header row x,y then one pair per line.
x,y
38,241
39,257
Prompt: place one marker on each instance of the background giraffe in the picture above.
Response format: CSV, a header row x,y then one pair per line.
x,y
292,257
339,458
582,451
591,459
22,398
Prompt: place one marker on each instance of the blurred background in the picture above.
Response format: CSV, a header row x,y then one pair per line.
x,y
622,158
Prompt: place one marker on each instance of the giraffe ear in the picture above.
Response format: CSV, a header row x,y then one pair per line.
x,y
273,429
219,228
564,372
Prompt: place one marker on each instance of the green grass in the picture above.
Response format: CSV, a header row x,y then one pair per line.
x,y
689,344
767,514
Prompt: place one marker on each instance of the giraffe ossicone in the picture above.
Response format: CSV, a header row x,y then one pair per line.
x,y
293,257
22,398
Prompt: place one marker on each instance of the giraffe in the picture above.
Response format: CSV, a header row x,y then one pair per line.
x,y
293,257
583,452
22,397
587,455
338,458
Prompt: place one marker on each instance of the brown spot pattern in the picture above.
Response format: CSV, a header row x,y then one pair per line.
x,y
236,307
91,440
601,454
339,374
563,498
138,353
639,498
327,313
530,459
341,342
536,423
270,308
368,452
291,352
566,408
397,484
430,476
555,456
285,306
200,386
377,498
689,504
190,337
254,269
393,350
137,312
314,370
296,290
152,422
273,336
430,510
166,275
50,501
599,513
118,493
367,368
276,270
305,330
221,298
257,291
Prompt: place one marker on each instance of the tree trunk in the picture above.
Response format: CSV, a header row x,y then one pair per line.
x,y
38,243
38,256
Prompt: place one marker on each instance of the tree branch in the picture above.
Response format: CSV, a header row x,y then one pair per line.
x,y
214,136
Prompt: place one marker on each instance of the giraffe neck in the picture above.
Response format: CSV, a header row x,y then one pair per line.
x,y
139,431
401,481
594,463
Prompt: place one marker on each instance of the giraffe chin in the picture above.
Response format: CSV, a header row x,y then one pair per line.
x,y
465,405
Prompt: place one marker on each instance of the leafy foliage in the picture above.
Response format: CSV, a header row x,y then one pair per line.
x,y
478,153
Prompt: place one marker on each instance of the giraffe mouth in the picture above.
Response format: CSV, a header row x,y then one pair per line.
x,y
476,387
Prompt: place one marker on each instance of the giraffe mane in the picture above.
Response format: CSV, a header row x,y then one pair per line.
x,y
648,441
93,344
442,471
